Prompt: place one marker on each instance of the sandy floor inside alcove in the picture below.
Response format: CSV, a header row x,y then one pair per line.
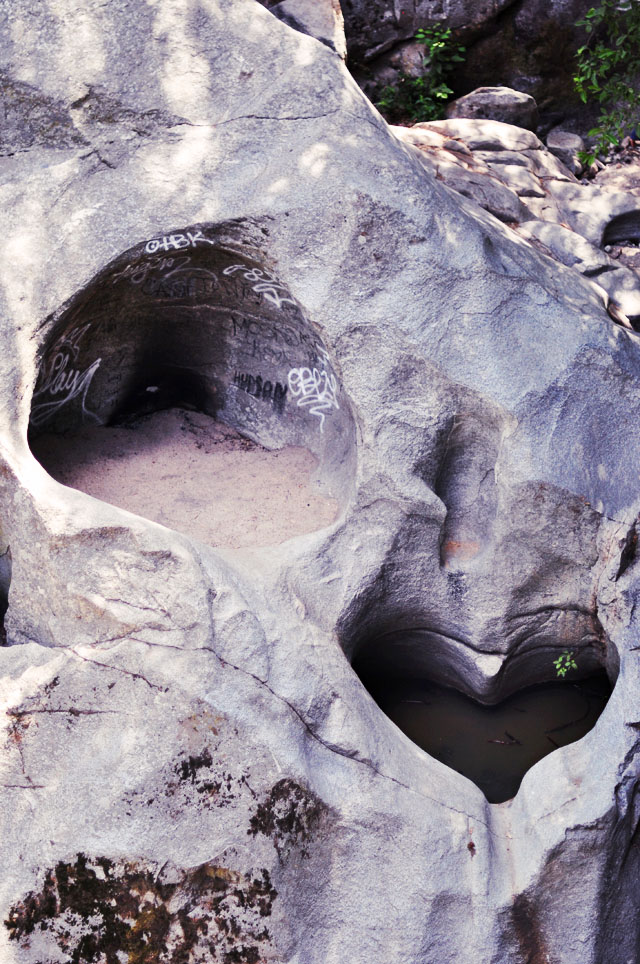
x,y
190,473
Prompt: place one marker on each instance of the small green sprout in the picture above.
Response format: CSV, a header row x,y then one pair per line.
x,y
565,662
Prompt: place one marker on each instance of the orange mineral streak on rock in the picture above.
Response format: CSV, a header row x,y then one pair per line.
x,y
459,551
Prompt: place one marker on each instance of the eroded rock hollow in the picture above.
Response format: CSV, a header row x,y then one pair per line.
x,y
190,324
216,250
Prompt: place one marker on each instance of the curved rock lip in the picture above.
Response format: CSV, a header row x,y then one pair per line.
x,y
487,676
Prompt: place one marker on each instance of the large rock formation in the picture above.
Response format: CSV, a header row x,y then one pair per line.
x,y
373,28
197,197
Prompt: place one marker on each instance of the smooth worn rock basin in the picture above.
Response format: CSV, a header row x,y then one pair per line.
x,y
493,745
189,472
185,384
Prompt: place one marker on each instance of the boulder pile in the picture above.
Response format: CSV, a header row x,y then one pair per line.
x,y
590,225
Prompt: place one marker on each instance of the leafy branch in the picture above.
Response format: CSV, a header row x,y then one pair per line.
x,y
608,64
424,98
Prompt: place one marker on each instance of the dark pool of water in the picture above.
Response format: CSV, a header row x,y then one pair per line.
x,y
492,745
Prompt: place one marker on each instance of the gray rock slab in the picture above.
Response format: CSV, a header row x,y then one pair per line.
x,y
520,180
544,208
321,19
457,147
565,245
424,136
623,288
559,141
547,165
472,180
566,145
487,135
498,158
497,103
619,176
540,162
620,283
489,192
589,210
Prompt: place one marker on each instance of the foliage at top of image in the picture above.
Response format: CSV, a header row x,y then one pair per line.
x,y
424,98
608,71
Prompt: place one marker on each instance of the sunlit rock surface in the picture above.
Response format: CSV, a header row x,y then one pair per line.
x,y
507,170
191,765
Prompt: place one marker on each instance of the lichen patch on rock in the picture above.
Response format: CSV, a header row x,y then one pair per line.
x,y
289,815
100,911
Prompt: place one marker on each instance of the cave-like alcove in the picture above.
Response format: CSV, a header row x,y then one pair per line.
x,y
185,383
490,728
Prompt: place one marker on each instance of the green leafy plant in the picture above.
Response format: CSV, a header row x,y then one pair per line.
x,y
424,98
608,70
565,662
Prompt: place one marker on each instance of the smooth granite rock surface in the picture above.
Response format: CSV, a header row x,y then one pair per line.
x,y
497,103
196,195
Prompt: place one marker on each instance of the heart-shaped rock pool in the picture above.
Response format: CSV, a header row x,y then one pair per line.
x,y
492,745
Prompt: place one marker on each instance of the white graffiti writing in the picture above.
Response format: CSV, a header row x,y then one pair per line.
x,y
61,382
314,389
262,283
138,270
174,242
